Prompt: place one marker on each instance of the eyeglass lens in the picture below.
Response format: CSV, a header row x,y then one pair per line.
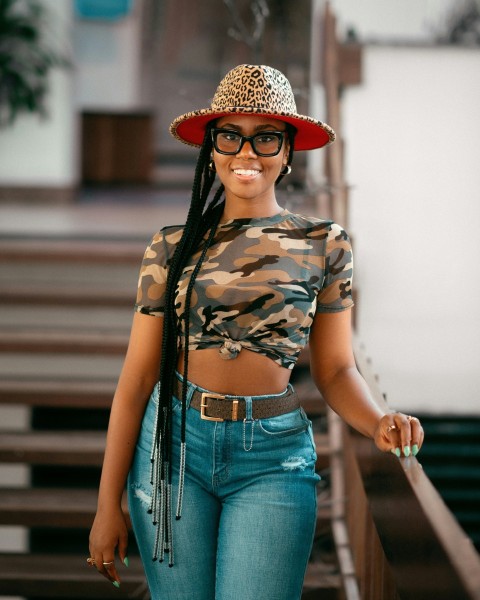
x,y
267,143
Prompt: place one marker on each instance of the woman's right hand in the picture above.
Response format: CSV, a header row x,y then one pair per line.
x,y
109,533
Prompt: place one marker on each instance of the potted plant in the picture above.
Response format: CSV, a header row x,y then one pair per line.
x,y
26,59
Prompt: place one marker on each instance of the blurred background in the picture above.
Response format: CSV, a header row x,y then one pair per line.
x,y
410,127
88,89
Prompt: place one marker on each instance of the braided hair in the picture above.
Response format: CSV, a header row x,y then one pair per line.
x,y
200,228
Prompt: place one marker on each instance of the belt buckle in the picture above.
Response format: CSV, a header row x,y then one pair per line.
x,y
204,406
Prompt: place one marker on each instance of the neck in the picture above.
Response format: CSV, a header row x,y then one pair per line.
x,y
251,209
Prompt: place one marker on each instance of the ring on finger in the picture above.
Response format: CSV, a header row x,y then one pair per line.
x,y
91,561
107,564
391,428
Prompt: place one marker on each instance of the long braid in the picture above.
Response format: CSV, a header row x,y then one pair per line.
x,y
196,226
188,296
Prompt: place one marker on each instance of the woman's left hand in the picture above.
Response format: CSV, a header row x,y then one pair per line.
x,y
400,434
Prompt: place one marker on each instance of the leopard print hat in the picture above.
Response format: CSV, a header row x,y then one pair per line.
x,y
254,90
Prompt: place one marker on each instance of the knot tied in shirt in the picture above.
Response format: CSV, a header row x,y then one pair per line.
x,y
230,350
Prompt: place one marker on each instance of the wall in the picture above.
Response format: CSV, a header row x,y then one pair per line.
x,y
42,152
412,133
108,56
394,21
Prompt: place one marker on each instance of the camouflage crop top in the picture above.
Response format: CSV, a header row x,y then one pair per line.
x,y
260,285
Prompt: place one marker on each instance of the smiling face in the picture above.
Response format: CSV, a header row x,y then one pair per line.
x,y
249,179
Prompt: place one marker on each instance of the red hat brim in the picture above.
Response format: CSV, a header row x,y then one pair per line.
x,y
310,133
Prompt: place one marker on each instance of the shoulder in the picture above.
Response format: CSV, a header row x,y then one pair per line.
x,y
325,229
167,236
163,243
170,234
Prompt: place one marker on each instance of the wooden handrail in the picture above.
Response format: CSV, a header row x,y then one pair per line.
x,y
405,542
391,528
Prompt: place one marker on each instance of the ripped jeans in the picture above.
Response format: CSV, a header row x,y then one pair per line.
x,y
249,507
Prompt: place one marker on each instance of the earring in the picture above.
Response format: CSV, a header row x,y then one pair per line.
x,y
211,166
287,169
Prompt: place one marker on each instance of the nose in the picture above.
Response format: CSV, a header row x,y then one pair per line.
x,y
246,149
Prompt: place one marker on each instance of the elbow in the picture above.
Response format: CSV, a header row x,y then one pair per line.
x,y
327,379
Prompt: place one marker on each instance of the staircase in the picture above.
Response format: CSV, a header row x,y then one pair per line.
x,y
65,312
451,460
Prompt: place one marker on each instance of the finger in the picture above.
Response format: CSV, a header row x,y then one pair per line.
x,y
392,432
397,432
123,549
405,434
387,434
417,434
411,434
101,565
111,572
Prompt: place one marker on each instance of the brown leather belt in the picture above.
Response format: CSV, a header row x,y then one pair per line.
x,y
219,407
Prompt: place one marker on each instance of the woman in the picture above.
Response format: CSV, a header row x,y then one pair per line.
x,y
224,306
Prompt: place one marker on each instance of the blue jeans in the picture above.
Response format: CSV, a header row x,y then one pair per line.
x,y
249,507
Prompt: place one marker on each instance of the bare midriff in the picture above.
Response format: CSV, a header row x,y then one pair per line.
x,y
249,374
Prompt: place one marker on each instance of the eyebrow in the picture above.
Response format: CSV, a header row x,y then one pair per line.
x,y
266,127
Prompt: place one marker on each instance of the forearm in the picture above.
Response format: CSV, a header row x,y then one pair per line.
x,y
347,393
126,415
139,375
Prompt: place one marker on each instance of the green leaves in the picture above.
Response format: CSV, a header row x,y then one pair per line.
x,y
26,59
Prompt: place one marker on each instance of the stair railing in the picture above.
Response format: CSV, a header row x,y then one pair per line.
x,y
402,541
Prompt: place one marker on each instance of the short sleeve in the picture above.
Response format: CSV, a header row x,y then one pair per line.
x,y
336,292
153,272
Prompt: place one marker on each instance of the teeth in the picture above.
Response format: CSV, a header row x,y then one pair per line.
x,y
246,172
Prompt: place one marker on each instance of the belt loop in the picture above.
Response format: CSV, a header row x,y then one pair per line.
x,y
248,408
190,390
249,418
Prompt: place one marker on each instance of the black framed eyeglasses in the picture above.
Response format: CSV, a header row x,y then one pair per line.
x,y
266,143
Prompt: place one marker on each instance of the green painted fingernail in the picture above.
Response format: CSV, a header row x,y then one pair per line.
x,y
116,584
126,561
406,451
398,452
415,449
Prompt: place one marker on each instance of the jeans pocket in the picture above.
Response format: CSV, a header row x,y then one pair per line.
x,y
291,423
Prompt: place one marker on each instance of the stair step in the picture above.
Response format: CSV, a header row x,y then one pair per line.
x,y
63,341
447,427
61,317
450,458
453,472
91,393
75,448
73,295
57,392
462,494
319,578
52,507
78,448
66,576
450,449
469,517
25,575
38,250
74,508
